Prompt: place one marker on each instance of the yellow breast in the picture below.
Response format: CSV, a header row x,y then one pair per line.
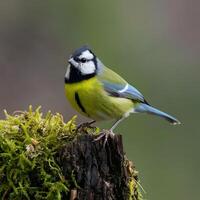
x,y
89,98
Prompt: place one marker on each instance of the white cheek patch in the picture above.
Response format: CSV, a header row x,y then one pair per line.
x,y
87,55
67,74
87,68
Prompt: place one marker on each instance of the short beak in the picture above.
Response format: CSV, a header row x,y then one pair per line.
x,y
70,60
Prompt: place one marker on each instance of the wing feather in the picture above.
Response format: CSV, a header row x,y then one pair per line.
x,y
116,86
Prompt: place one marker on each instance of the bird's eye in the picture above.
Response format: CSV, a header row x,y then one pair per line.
x,y
83,60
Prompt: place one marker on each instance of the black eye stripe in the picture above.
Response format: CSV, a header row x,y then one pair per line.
x,y
83,60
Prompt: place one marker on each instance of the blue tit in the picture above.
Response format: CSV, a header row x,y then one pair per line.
x,y
101,94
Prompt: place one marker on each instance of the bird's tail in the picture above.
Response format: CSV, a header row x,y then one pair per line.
x,y
144,108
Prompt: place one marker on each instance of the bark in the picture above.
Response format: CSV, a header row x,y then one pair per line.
x,y
99,172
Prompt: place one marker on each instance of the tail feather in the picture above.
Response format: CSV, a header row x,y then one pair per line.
x,y
151,110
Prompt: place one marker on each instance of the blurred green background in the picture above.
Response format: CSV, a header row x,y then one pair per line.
x,y
154,44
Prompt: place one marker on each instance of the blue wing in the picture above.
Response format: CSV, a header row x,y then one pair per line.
x,y
123,90
116,86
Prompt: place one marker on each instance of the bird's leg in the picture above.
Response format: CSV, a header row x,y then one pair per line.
x,y
116,124
107,133
85,124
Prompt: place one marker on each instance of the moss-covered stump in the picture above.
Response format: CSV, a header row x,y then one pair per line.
x,y
45,158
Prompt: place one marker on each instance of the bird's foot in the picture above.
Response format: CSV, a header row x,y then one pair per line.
x,y
104,134
85,125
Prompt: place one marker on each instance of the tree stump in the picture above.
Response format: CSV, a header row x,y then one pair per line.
x,y
99,172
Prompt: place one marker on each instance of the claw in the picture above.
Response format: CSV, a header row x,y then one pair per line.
x,y
106,134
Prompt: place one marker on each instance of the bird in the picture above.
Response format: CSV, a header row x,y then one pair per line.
x,y
99,93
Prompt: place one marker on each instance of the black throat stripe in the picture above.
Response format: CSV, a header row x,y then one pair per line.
x,y
75,76
79,102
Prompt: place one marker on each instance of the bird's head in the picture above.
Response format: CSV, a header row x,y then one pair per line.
x,y
83,64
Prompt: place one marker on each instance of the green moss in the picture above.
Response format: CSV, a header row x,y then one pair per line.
x,y
28,145
133,184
